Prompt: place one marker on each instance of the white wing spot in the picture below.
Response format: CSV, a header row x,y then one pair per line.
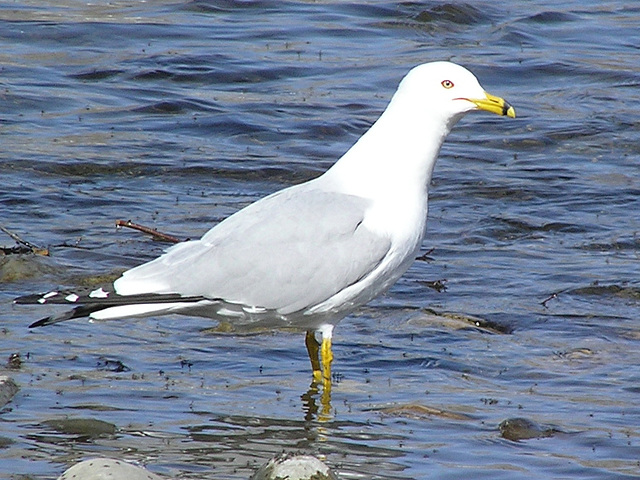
x,y
72,297
227,312
254,309
49,295
99,293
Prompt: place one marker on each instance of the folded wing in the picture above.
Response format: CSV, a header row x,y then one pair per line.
x,y
287,252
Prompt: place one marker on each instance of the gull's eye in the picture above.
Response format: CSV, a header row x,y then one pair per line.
x,y
447,84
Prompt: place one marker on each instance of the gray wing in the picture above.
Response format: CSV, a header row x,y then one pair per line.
x,y
289,251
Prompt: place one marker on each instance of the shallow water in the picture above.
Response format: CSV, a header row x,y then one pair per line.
x,y
176,114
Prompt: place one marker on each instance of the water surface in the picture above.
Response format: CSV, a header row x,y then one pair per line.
x,y
176,114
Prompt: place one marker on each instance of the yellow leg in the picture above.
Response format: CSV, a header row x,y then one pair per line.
x,y
321,356
312,349
327,357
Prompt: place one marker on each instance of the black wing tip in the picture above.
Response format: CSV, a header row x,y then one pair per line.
x,y
27,299
42,322
80,296
80,311
88,305
68,315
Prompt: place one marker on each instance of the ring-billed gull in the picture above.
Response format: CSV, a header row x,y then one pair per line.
x,y
308,255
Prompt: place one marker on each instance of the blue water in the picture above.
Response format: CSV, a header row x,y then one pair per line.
x,y
176,114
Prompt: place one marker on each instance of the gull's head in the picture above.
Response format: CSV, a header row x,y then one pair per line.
x,y
448,91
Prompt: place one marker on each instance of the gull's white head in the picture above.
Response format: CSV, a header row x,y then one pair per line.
x,y
448,91
401,147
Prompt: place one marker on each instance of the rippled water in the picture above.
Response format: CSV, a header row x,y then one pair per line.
x,y
176,114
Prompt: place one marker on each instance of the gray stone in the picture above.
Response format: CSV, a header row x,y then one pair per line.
x,y
107,469
294,467
8,389
517,429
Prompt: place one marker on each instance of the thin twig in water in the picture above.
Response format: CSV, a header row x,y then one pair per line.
x,y
425,256
32,248
154,233
553,296
74,245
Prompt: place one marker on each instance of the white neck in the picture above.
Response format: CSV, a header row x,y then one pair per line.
x,y
396,157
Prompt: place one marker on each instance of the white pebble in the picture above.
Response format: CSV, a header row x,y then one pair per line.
x,y
107,469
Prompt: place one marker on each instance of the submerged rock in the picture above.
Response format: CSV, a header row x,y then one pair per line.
x,y
294,467
418,411
107,469
8,389
88,427
516,429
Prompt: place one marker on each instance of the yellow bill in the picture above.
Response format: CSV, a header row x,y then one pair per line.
x,y
494,104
